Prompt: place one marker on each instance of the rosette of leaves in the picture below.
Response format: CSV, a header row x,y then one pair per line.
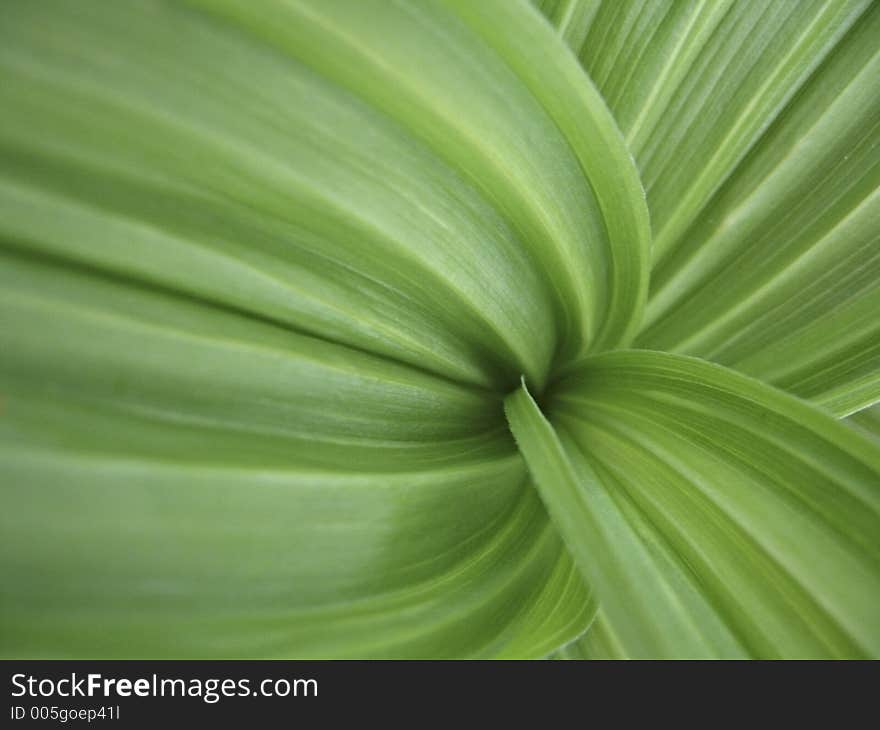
x,y
372,328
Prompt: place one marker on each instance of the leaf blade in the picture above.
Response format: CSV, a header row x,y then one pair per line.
x,y
754,127
771,503
606,546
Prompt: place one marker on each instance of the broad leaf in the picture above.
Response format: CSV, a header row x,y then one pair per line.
x,y
224,232
755,127
184,481
279,278
714,515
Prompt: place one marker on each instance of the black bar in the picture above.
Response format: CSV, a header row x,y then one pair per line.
x,y
270,693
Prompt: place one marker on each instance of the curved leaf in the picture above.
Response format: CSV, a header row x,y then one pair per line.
x,y
496,116
755,129
268,269
733,507
599,642
184,481
581,115
656,611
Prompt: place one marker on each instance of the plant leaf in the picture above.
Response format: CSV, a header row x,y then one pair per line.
x,y
572,18
755,129
518,119
598,643
184,481
622,246
607,547
758,514
268,269
867,422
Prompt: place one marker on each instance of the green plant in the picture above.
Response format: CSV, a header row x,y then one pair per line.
x,y
340,328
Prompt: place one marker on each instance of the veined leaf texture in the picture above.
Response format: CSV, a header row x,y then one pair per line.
x,y
440,328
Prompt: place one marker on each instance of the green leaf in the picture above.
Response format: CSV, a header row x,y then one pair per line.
x,y
654,618
598,643
255,334
690,494
184,481
572,18
867,422
621,243
279,279
754,126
